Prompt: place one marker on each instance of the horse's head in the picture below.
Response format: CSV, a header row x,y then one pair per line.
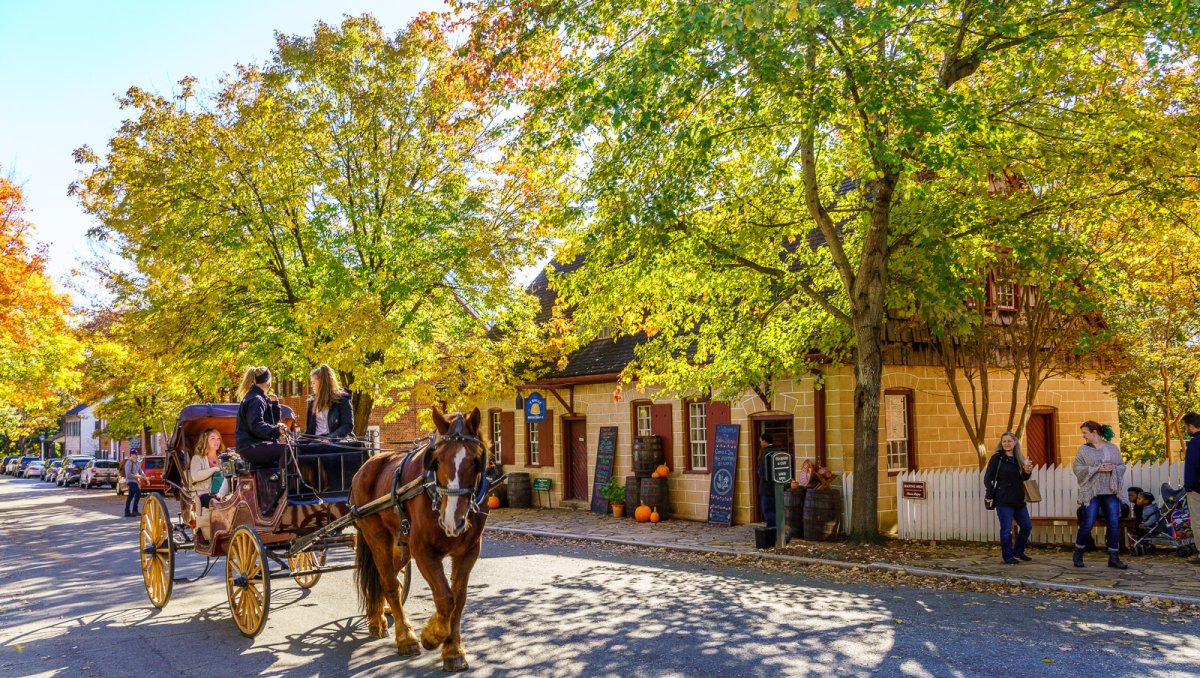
x,y
457,463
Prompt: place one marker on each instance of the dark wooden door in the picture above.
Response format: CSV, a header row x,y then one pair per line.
x,y
1040,439
575,467
783,433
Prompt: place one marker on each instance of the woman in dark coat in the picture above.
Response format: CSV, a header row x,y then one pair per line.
x,y
330,414
1004,486
258,428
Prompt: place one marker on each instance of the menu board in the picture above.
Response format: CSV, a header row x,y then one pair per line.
x,y
606,450
724,471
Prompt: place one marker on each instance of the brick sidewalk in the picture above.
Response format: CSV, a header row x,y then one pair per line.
x,y
1161,575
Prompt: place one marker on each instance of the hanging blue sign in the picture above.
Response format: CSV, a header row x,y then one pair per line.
x,y
535,408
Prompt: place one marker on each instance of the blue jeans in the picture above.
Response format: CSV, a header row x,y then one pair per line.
x,y
1110,504
1007,514
135,495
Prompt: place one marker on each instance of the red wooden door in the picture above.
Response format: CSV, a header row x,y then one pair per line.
x,y
575,465
1040,439
660,425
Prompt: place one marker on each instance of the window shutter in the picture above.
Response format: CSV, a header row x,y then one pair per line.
x,y
715,413
546,440
660,425
508,438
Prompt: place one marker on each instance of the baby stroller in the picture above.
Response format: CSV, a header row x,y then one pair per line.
x,y
1173,528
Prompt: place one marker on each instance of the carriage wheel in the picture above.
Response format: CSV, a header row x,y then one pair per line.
x,y
157,551
247,581
307,560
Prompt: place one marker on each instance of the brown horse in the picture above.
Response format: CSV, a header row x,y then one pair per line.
x,y
449,524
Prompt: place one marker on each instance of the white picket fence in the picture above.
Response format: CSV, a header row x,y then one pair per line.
x,y
953,506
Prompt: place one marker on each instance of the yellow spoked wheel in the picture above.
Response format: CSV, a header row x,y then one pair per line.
x,y
247,581
157,551
308,560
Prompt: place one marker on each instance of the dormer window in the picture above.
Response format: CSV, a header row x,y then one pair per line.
x,y
605,333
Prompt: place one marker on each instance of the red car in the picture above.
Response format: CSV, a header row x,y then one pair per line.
x,y
152,468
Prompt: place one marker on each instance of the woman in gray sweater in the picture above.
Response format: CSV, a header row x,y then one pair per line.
x,y
1100,471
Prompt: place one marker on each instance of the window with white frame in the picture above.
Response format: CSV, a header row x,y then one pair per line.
x,y
899,438
497,443
1006,293
698,436
534,444
643,420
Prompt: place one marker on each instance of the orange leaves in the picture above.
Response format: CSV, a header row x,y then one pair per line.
x,y
25,291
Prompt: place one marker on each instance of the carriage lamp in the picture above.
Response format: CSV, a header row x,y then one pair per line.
x,y
520,401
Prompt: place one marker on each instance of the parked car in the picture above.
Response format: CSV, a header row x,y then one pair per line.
x,y
33,469
98,472
50,471
152,468
21,464
5,462
71,468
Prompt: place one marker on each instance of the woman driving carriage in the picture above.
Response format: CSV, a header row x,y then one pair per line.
x,y
329,412
258,428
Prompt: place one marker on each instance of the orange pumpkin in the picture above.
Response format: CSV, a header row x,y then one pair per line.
x,y
642,513
654,517
662,471
493,502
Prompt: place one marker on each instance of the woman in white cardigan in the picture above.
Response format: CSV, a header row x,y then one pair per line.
x,y
205,464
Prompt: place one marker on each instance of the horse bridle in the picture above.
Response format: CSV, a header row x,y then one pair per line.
x,y
437,492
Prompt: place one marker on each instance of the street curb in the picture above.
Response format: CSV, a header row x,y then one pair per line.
x,y
881,567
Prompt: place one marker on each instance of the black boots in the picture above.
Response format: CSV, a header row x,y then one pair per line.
x,y
1114,561
1078,558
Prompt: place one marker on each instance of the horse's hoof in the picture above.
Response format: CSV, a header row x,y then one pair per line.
x,y
408,648
427,643
379,631
454,664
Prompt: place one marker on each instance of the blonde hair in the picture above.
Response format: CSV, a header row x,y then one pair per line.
x,y
327,389
201,448
249,379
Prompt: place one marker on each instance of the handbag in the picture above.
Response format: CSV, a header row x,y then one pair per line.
x,y
1033,493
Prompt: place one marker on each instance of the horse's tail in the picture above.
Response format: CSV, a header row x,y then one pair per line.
x,y
366,576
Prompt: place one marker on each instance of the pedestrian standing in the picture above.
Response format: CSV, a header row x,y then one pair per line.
x,y
133,483
766,487
1191,471
1100,470
1004,491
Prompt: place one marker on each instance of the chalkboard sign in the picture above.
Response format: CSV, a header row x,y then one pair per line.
x,y
724,470
606,450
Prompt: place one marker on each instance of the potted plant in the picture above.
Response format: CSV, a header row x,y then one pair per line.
x,y
615,494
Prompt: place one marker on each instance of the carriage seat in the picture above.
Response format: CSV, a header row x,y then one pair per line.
x,y
326,471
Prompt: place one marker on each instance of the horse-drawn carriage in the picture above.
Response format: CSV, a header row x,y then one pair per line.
x,y
280,520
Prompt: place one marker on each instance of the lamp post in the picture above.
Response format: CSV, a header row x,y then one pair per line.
x,y
42,446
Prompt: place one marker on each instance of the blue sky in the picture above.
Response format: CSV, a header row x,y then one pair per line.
x,y
62,63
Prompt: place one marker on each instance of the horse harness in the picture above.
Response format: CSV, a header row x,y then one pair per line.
x,y
428,483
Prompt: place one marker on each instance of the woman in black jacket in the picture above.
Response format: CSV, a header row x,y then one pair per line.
x,y
330,414
258,426
1004,486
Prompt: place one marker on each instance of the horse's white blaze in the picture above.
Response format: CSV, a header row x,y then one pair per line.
x,y
447,518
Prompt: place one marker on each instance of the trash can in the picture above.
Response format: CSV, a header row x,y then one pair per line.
x,y
764,537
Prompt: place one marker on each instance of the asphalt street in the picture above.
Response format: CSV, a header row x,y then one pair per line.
x,y
72,603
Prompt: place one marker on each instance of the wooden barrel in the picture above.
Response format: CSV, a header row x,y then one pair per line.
x,y
793,505
501,494
822,515
632,488
520,490
653,493
647,455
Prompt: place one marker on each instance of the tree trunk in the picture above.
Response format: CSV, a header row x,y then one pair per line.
x,y
868,301
868,389
363,403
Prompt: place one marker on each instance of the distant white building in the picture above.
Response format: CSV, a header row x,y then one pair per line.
x,y
79,428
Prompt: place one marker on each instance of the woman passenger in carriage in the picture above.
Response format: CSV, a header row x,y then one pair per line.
x,y
258,428
206,464
330,414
